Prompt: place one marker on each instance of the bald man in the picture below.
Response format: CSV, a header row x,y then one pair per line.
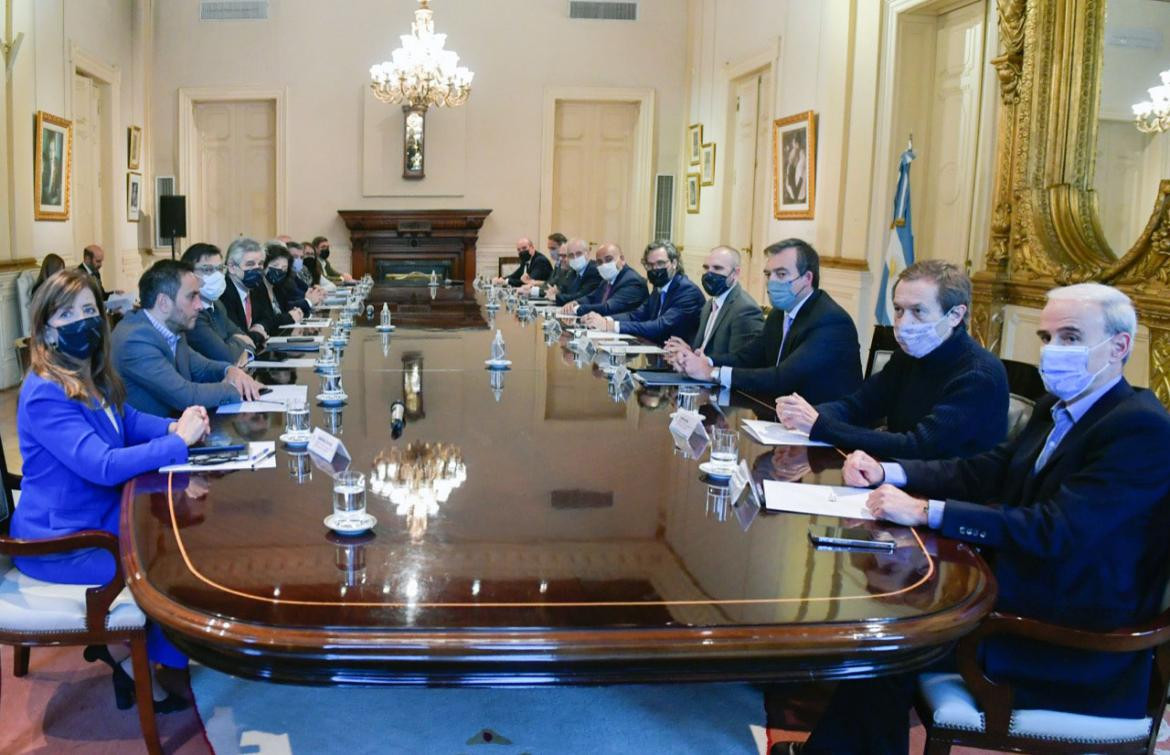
x,y
534,266
583,278
622,289
92,258
731,318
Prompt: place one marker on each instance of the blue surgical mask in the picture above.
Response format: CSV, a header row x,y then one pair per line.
x,y
298,264
579,263
918,339
80,338
781,294
1065,369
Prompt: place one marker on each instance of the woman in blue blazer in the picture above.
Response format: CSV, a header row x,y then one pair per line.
x,y
80,443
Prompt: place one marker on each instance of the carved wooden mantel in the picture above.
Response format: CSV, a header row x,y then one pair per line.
x,y
447,237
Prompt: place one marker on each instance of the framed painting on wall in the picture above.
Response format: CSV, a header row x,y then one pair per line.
x,y
693,190
53,167
694,143
707,164
133,197
134,148
794,166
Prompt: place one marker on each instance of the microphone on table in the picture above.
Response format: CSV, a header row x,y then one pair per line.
x,y
397,419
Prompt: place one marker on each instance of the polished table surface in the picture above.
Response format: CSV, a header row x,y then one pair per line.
x,y
580,547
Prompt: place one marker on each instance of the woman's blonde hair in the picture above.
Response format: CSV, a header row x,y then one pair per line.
x,y
60,291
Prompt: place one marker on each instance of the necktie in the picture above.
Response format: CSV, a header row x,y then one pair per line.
x,y
1062,422
661,303
248,309
783,338
710,324
605,294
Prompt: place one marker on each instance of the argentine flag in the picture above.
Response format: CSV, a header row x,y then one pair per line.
x,y
900,249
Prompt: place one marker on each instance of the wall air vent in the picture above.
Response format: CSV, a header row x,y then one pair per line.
x,y
664,206
233,10
606,10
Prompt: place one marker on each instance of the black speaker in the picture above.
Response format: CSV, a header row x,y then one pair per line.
x,y
172,216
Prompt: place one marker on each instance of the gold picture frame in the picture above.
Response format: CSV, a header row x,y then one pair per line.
x,y
694,190
134,148
133,197
794,166
707,164
694,143
52,167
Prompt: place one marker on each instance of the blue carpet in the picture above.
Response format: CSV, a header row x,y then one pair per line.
x,y
255,717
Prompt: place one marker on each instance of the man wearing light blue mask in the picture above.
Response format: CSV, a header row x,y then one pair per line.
x,y
940,395
214,335
808,345
582,279
1077,512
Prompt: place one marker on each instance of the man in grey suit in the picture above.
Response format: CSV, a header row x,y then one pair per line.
x,y
731,318
214,335
163,375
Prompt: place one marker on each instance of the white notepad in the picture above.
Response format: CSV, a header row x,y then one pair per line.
x,y
776,434
261,364
271,402
825,500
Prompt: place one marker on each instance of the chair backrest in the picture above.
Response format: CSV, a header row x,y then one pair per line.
x,y
24,285
881,348
9,483
505,265
1024,388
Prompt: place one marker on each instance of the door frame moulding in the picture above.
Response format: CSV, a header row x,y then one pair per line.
x,y
642,194
188,98
109,78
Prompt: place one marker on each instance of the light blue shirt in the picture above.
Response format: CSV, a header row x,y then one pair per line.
x,y
167,333
1064,416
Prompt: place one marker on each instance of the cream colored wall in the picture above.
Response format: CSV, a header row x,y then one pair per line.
x,y
322,53
110,33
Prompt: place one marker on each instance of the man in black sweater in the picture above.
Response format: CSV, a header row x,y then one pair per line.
x,y
942,395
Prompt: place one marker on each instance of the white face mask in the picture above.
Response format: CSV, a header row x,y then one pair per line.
x,y
1065,369
920,338
213,286
608,270
579,263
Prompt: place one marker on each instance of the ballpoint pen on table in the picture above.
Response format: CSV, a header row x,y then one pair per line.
x,y
267,452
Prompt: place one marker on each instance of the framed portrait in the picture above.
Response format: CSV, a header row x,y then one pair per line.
x,y
413,145
134,148
794,166
694,142
707,164
53,167
693,189
133,197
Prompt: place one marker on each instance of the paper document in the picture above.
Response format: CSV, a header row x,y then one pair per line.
x,y
631,348
308,324
120,302
669,378
259,455
282,340
776,434
826,500
609,336
269,402
261,364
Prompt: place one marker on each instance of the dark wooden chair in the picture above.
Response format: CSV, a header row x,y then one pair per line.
x,y
970,709
505,266
35,613
1024,389
881,347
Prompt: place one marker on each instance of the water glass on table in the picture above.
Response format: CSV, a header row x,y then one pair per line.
x,y
349,498
724,447
688,398
296,418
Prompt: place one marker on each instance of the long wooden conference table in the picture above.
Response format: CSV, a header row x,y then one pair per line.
x,y
549,533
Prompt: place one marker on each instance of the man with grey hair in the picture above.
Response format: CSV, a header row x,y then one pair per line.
x,y
1077,511
582,278
245,289
940,395
671,310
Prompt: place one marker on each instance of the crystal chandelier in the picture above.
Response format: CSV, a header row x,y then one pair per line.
x,y
1153,115
421,73
417,480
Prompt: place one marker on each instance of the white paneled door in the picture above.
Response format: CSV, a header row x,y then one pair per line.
x,y
593,159
87,171
233,189
748,213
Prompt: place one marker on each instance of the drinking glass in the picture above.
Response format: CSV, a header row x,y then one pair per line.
x,y
688,398
724,447
331,384
296,417
349,497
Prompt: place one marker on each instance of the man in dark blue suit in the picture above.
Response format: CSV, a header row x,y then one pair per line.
x,y
622,290
808,345
582,279
672,310
1077,511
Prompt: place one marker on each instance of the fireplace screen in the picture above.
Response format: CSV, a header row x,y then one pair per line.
x,y
407,272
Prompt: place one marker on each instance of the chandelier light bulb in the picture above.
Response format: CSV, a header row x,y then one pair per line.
x,y
1153,115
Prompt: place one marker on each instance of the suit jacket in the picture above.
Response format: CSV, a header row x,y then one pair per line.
x,y
660,317
288,295
560,276
578,286
626,292
538,268
97,276
75,461
262,311
1081,543
737,322
160,383
214,335
821,359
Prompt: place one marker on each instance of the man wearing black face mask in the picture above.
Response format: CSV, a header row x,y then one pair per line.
x,y
671,310
731,318
321,244
534,266
245,298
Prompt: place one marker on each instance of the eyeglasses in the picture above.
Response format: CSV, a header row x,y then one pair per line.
x,y
208,269
657,265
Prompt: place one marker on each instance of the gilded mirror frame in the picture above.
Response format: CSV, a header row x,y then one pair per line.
x,y
1045,227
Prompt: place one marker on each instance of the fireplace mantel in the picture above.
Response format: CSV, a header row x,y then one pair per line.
x,y
441,237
